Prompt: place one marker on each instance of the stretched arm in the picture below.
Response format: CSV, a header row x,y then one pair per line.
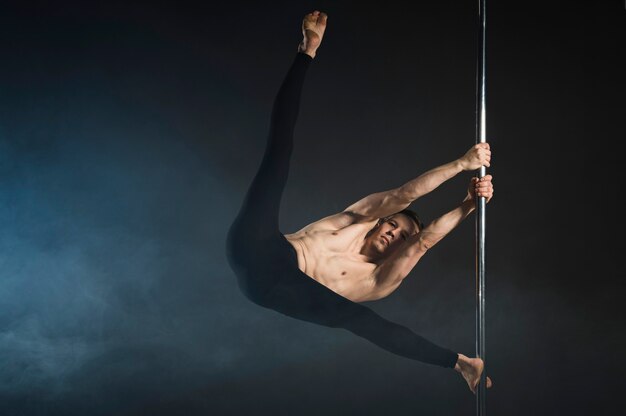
x,y
440,227
394,269
382,204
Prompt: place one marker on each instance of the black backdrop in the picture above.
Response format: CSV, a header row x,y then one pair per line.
x,y
130,131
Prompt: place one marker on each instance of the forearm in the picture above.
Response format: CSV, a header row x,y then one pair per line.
x,y
429,181
442,226
386,203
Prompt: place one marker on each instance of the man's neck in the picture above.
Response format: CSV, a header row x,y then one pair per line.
x,y
371,255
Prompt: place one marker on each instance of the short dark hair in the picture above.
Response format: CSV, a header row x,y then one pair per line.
x,y
412,215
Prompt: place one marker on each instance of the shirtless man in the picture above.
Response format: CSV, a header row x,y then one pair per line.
x,y
321,273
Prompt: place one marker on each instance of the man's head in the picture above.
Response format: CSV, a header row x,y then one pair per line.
x,y
412,215
391,231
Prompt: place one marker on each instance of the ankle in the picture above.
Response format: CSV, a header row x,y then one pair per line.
x,y
309,51
461,363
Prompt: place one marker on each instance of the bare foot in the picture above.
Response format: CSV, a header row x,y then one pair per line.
x,y
471,370
313,27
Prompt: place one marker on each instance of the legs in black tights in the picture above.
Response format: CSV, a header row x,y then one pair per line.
x,y
266,264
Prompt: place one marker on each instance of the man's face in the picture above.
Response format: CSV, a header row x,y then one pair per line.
x,y
392,233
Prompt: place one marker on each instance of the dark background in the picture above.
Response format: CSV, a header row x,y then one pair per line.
x,y
129,134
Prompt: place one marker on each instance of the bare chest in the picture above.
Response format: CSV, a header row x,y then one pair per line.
x,y
332,258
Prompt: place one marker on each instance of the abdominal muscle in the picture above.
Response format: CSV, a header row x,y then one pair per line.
x,y
331,257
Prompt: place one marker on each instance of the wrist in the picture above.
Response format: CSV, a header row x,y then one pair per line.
x,y
459,165
308,51
459,363
468,205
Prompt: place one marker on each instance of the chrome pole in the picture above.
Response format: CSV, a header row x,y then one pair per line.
x,y
481,122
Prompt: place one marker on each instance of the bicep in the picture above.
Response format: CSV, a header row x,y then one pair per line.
x,y
334,222
380,204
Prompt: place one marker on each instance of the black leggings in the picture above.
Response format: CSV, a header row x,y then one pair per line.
x,y
266,263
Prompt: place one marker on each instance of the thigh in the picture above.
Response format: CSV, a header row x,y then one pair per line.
x,y
259,262
299,296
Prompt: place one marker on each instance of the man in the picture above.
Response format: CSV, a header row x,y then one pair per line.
x,y
320,273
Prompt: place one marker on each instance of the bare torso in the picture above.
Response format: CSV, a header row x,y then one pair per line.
x,y
332,258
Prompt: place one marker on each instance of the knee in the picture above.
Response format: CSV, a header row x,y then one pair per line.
x,y
237,243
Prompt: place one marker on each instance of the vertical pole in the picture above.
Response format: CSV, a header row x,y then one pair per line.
x,y
481,121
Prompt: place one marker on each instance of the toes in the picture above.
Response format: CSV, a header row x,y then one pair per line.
x,y
317,17
489,384
322,19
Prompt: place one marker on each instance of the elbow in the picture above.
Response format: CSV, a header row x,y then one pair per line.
x,y
426,242
403,196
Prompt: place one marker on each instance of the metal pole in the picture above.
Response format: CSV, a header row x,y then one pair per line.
x,y
481,121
